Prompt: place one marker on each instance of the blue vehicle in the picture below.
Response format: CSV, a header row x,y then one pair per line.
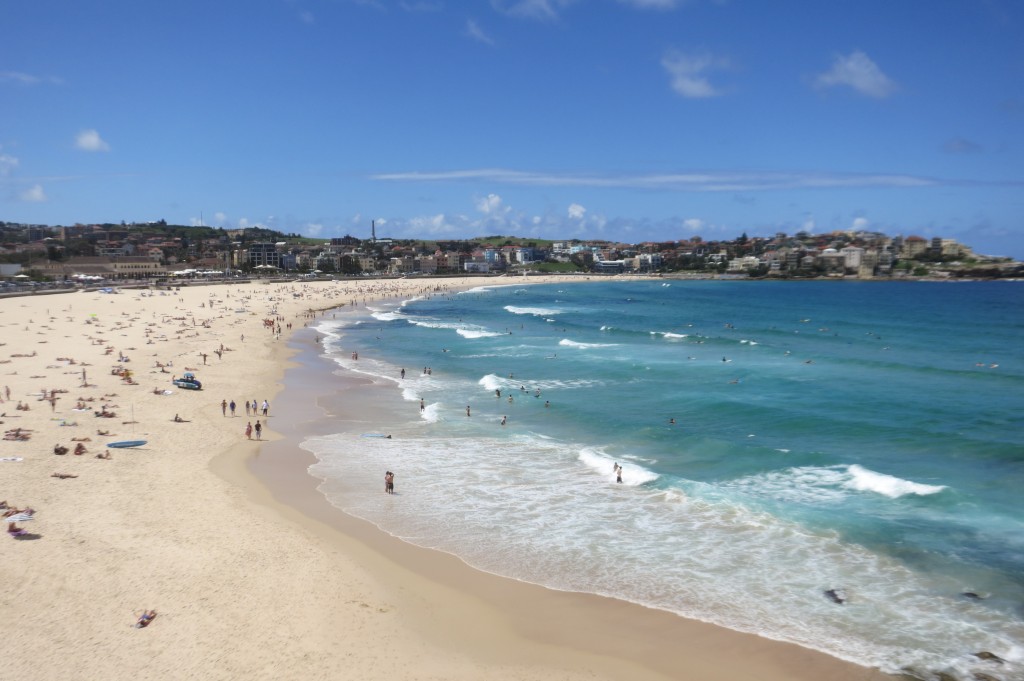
x,y
188,382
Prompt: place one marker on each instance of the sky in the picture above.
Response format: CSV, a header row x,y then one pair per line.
x,y
625,120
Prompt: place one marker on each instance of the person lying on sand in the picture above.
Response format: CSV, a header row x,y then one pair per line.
x,y
12,527
79,449
62,476
145,618
60,450
104,455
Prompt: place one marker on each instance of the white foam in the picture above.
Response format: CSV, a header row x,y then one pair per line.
x,y
865,480
477,333
632,474
535,311
387,316
492,382
431,413
583,346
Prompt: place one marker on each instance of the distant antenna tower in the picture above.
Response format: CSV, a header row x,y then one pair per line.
x,y
373,231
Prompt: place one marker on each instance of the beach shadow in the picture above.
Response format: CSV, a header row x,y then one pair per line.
x,y
27,536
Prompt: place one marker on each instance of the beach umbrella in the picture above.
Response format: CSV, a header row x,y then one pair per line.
x,y
21,276
19,518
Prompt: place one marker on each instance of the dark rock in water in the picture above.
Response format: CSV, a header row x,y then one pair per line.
x,y
973,596
979,676
985,655
943,676
836,596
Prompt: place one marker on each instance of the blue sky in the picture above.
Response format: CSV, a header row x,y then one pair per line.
x,y
627,120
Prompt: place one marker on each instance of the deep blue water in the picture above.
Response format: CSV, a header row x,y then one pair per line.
x,y
863,437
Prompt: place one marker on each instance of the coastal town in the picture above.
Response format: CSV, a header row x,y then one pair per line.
x,y
41,254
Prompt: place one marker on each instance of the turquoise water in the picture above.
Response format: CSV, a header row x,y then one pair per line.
x,y
864,438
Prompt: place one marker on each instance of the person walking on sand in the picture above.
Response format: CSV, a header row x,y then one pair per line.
x,y
247,407
259,430
248,431
266,407
231,406
224,407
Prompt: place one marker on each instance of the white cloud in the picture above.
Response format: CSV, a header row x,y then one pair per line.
x,y
27,78
314,229
489,205
808,225
857,71
652,4
7,164
474,31
546,10
694,224
688,73
90,140
421,6
860,224
220,217
577,212
676,182
33,194
243,223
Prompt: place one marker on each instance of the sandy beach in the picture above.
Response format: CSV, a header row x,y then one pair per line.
x,y
252,574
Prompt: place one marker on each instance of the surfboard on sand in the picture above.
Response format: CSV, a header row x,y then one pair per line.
x,y
126,443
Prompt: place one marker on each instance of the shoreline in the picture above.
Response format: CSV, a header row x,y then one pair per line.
x,y
246,585
646,643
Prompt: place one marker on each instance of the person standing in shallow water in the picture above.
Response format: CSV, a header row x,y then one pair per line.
x,y
389,482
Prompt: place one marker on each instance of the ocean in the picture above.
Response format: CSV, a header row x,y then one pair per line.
x,y
833,464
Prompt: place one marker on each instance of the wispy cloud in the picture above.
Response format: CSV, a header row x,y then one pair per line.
x,y
421,6
27,78
858,71
306,17
688,73
33,194
652,4
474,31
959,145
90,140
678,182
7,164
543,10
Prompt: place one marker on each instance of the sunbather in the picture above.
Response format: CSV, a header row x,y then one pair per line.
x,y
145,618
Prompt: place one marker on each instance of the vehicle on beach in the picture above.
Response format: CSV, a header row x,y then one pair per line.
x,y
188,382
